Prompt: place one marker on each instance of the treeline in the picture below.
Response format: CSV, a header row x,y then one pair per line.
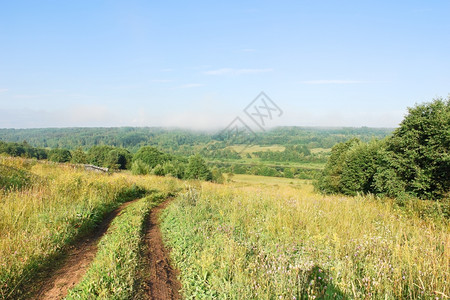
x,y
292,153
413,162
182,142
267,170
147,160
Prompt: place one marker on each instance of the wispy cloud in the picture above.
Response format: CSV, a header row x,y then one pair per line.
x,y
190,85
167,70
231,71
248,50
3,90
333,81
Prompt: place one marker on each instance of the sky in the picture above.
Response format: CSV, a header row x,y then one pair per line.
x,y
198,64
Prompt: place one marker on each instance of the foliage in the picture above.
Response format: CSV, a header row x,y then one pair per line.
x,y
138,167
151,156
118,158
414,161
420,150
330,181
22,150
59,155
197,169
79,156
217,175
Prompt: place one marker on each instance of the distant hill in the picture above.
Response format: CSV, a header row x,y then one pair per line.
x,y
179,140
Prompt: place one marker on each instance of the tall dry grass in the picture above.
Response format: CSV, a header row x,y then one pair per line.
x,y
282,242
37,222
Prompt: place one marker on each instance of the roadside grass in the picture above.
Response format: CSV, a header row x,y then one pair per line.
x,y
38,222
269,242
112,274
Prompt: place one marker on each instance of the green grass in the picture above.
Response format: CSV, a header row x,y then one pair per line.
x,y
267,180
112,274
15,179
320,150
244,149
277,242
39,221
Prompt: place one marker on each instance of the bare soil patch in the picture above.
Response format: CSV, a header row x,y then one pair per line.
x,y
158,278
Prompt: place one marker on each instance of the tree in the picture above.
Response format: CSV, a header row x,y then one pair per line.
x,y
118,158
217,175
197,169
360,166
97,155
151,156
330,180
138,167
79,156
59,155
419,150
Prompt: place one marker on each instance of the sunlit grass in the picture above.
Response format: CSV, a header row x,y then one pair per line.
x,y
112,274
267,242
267,180
244,149
37,222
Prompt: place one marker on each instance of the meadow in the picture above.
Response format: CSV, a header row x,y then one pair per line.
x,y
39,220
278,241
253,237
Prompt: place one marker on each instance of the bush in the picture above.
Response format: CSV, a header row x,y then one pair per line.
x,y
118,158
197,169
79,157
138,167
151,156
59,155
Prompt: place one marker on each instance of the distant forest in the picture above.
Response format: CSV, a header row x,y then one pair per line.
x,y
183,142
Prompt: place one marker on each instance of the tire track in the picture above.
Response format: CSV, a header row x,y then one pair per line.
x,y
76,262
158,279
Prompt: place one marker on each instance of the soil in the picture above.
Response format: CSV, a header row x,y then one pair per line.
x,y
76,262
158,278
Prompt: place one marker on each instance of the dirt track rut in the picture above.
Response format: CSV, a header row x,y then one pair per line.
x,y
158,279
76,262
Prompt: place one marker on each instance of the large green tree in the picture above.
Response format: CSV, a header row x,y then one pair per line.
x,y
151,156
419,149
197,169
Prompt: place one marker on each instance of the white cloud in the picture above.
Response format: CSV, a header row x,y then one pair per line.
x,y
167,70
231,71
3,90
332,81
248,50
190,85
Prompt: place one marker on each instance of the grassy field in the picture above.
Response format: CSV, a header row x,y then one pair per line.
x,y
256,237
274,241
112,273
56,208
244,149
267,180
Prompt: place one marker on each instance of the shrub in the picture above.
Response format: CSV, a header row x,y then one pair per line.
x,y
138,167
59,155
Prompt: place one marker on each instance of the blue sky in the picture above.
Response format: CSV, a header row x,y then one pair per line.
x,y
197,64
